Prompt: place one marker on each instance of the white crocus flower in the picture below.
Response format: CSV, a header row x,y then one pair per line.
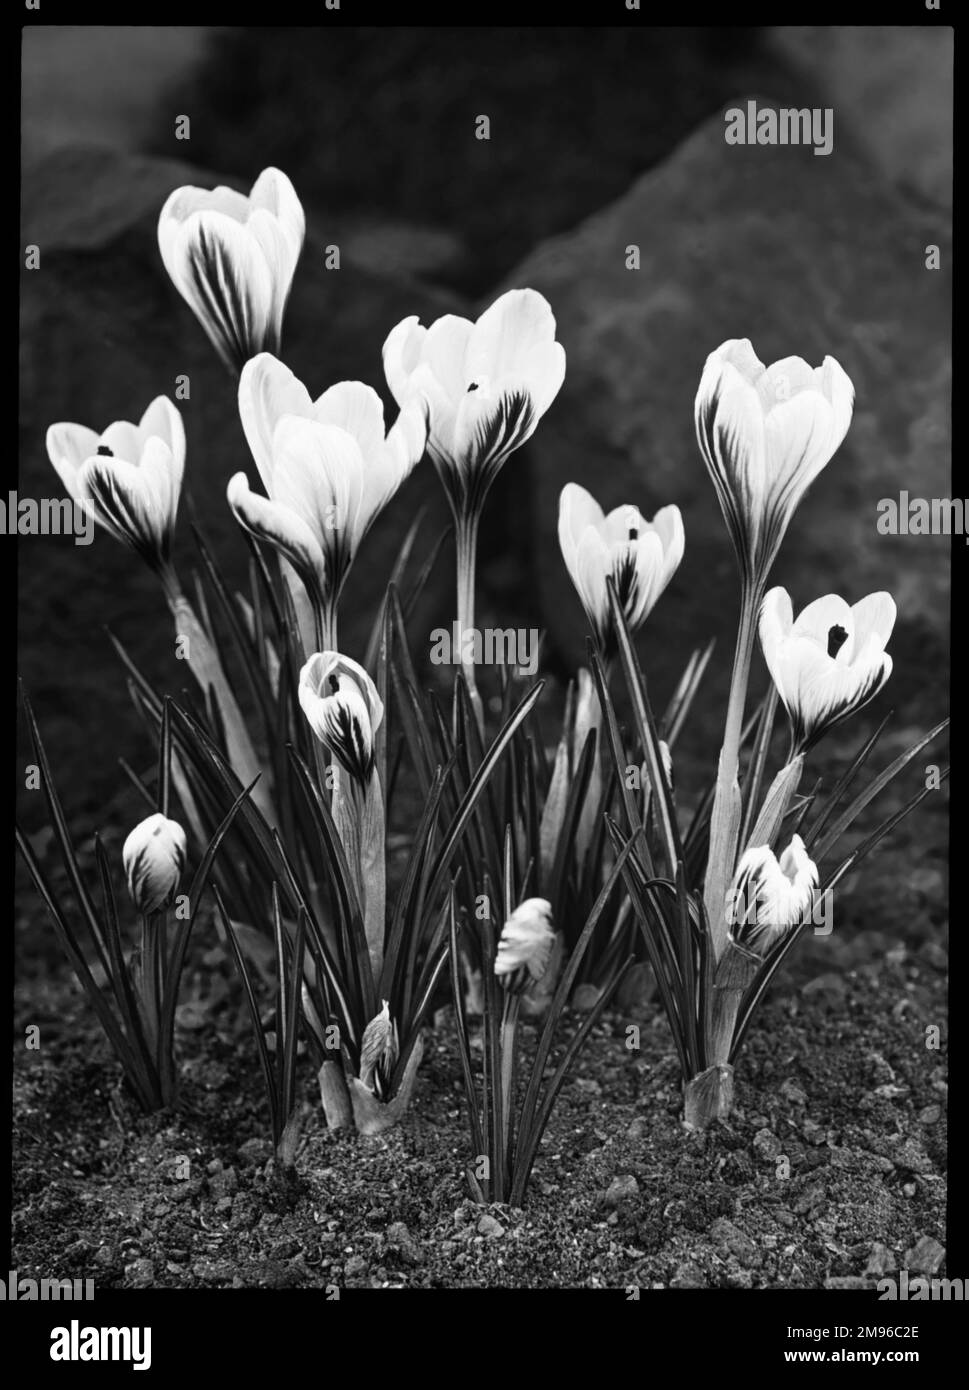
x,y
641,556
154,859
828,662
129,476
525,945
769,895
328,466
765,434
343,709
486,385
232,259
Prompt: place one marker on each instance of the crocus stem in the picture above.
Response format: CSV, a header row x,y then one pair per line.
x,y
151,995
725,817
509,1026
326,628
466,544
204,663
708,1096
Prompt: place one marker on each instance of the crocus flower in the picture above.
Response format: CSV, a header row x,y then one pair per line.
x,y
486,386
378,1049
343,709
525,945
129,477
641,556
769,895
232,260
154,858
328,466
765,434
828,662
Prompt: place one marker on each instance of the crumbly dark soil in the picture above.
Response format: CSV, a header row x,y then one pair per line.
x,y
831,1171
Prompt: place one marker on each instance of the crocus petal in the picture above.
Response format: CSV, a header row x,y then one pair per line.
x,y
164,420
67,447
283,528
123,439
401,354
874,620
515,337
730,431
444,349
357,409
268,390
489,426
274,193
318,471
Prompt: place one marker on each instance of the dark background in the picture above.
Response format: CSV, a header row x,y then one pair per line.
x,y
599,138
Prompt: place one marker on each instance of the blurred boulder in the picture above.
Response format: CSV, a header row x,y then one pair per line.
x,y
891,89
804,255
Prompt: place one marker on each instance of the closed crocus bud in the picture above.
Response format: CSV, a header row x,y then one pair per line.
x,y
485,385
343,709
154,858
329,467
829,661
378,1048
129,477
525,945
232,259
765,434
640,556
769,895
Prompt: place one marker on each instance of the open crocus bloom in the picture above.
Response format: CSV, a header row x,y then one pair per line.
x,y
641,556
232,259
343,709
154,859
328,466
769,895
830,661
129,477
525,945
486,386
765,434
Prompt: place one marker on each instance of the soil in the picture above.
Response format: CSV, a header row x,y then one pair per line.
x,y
830,1172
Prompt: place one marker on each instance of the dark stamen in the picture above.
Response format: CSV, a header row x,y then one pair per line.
x,y
103,449
473,386
335,684
634,533
837,637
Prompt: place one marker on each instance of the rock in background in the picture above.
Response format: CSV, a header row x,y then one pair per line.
x,y
804,255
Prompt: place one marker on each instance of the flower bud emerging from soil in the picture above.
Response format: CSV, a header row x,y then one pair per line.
x,y
379,1047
